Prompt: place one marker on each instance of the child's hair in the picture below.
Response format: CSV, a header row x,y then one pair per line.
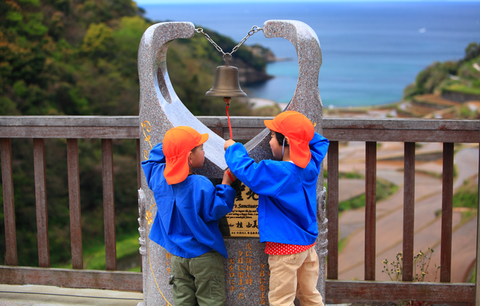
x,y
280,137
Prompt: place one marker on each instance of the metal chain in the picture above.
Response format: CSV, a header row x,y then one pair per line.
x,y
227,56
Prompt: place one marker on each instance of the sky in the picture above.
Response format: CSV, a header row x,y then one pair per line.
x,y
142,2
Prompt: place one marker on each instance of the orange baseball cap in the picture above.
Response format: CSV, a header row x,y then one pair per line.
x,y
299,130
177,142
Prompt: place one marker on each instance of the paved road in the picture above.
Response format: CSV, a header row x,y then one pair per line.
x,y
390,212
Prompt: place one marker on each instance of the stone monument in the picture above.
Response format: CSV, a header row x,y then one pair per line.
x,y
246,269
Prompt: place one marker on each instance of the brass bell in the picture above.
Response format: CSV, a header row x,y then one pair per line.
x,y
226,83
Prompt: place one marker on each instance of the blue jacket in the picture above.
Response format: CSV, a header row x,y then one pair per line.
x,y
287,205
186,223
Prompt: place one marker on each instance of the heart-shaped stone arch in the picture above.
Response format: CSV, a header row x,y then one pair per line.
x,y
161,110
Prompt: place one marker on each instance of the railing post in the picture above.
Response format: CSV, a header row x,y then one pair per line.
x,y
370,208
109,205
447,212
332,210
41,202
408,210
11,258
74,203
477,264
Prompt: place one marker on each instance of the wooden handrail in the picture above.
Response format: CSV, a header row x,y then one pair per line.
x,y
370,131
344,129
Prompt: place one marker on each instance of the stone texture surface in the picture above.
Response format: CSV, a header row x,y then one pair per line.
x,y
160,109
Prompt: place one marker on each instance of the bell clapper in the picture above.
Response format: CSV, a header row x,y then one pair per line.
x,y
227,100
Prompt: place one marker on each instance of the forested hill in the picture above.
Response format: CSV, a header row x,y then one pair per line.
x,y
79,57
462,76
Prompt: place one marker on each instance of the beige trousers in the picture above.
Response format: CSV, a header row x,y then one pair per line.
x,y
294,275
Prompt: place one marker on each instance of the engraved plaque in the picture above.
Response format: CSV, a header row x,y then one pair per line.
x,y
243,220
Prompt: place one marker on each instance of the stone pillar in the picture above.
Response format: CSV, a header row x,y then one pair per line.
x,y
246,269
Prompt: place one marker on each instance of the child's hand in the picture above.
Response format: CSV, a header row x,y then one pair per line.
x,y
228,177
228,143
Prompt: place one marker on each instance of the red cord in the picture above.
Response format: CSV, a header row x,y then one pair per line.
x,y
230,175
229,124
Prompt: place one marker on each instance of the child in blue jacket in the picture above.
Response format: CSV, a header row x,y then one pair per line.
x,y
188,211
287,206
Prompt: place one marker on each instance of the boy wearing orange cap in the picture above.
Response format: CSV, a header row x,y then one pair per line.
x,y
188,210
287,205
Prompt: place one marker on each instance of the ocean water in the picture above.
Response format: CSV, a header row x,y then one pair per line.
x,y
371,50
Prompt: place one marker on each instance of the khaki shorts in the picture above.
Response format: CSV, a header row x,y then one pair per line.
x,y
294,275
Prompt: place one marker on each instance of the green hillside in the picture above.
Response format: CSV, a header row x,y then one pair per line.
x,y
461,76
79,57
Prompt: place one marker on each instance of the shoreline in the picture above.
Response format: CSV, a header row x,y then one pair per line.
x,y
280,59
375,111
425,107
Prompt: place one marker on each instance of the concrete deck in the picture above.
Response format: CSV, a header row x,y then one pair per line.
x,y
33,295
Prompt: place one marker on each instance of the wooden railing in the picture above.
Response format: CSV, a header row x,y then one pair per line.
x,y
369,131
